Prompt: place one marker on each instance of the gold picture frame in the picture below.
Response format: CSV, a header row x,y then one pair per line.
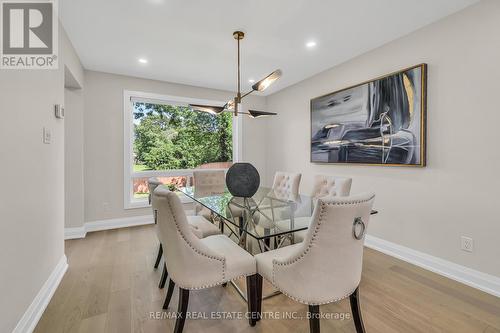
x,y
377,122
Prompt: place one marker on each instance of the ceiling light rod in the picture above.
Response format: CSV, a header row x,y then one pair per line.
x,y
258,86
238,35
233,104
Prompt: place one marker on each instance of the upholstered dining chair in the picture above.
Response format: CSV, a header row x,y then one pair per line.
x,y
200,226
329,186
324,187
286,185
326,266
206,183
195,263
153,183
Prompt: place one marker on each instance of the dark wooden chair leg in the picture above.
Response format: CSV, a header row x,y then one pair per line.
x,y
252,299
181,311
221,226
170,291
158,257
356,311
164,276
241,223
258,296
314,318
267,240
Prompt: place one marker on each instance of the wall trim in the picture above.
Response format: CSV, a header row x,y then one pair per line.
x,y
73,233
30,319
124,222
471,277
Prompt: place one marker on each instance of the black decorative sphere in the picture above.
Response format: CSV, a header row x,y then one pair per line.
x,y
242,180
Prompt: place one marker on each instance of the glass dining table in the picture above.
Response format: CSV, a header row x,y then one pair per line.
x,y
265,221
257,220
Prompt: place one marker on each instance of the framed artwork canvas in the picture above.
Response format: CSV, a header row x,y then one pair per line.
x,y
378,122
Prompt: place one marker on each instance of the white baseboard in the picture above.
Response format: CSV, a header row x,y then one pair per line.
x,y
473,278
118,223
72,233
34,312
124,222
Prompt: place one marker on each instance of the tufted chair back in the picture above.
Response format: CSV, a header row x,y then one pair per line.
x,y
208,182
326,266
286,185
191,264
153,183
330,186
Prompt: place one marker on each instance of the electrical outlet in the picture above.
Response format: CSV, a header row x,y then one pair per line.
x,y
47,136
467,244
105,206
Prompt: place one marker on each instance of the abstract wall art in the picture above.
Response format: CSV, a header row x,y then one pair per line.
x,y
380,122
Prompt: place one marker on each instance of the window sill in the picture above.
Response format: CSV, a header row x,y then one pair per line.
x,y
137,204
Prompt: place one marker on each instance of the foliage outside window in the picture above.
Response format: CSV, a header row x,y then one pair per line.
x,y
175,137
170,137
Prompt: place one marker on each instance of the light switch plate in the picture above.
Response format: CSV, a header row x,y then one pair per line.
x,y
47,136
59,111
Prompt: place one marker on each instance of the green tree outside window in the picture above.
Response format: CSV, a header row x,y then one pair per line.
x,y
176,137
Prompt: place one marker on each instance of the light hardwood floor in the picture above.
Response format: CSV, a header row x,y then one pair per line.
x,y
111,286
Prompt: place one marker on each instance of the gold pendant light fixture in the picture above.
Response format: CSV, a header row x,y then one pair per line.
x,y
234,104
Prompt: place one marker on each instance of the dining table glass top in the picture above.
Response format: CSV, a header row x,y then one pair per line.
x,y
265,215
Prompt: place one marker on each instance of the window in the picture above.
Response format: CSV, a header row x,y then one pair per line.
x,y
166,139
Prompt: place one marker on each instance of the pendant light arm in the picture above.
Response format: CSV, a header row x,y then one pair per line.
x,y
248,93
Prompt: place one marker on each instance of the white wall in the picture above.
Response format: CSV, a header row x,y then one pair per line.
x,y
457,194
73,151
74,82
103,133
32,176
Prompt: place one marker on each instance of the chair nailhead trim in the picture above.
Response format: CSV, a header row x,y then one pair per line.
x,y
296,299
306,251
214,284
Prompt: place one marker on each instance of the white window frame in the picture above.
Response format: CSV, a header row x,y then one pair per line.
x,y
129,201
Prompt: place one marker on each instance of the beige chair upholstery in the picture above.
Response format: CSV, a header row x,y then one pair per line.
x,y
329,186
207,183
195,263
199,225
324,187
328,263
326,266
153,183
286,185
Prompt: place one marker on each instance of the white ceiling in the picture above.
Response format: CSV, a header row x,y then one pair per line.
x,y
190,41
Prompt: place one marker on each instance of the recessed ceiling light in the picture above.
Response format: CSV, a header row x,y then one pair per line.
x,y
310,44
251,81
143,61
